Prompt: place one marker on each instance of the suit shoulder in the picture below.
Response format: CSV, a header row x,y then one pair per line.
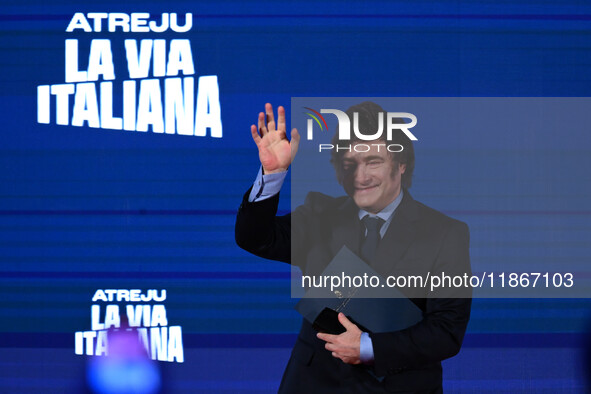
x,y
319,202
436,217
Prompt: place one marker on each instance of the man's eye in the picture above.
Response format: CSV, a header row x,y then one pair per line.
x,y
375,163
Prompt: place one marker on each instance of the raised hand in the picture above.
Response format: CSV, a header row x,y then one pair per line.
x,y
276,152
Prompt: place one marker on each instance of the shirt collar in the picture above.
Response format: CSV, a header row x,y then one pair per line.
x,y
385,213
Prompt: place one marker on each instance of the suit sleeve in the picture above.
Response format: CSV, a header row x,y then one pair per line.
x,y
260,232
440,334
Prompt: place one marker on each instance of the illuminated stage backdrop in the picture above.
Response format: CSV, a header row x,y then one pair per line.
x,y
126,151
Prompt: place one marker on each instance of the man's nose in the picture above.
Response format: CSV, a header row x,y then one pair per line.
x,y
361,175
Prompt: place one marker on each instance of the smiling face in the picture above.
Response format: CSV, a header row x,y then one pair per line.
x,y
371,178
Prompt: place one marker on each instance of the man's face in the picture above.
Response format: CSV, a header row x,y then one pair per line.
x,y
371,178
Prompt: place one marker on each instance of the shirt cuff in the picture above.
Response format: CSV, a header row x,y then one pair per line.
x,y
266,186
366,349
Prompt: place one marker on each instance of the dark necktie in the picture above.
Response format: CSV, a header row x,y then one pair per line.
x,y
370,243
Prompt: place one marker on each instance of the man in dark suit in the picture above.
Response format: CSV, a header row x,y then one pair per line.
x,y
408,239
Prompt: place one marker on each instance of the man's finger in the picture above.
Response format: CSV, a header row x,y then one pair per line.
x,y
262,125
294,143
326,337
350,360
255,134
270,118
346,322
280,118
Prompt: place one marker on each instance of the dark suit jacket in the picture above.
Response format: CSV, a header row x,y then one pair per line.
x,y
418,240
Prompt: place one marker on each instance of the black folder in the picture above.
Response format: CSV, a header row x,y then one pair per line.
x,y
373,309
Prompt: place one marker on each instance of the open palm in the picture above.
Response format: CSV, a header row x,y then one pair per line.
x,y
276,152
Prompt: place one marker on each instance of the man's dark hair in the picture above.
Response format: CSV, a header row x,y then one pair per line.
x,y
368,124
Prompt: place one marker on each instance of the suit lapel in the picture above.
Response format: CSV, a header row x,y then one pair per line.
x,y
399,236
347,231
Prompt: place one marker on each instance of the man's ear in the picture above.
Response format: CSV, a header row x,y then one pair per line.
x,y
401,168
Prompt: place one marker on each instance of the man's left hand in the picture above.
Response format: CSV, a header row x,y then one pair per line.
x,y
344,346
